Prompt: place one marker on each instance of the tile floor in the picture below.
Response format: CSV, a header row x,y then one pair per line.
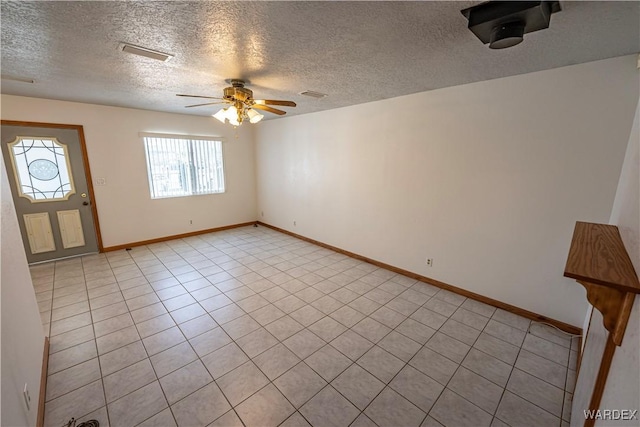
x,y
253,327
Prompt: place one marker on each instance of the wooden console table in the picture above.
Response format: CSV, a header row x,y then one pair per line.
x,y
599,261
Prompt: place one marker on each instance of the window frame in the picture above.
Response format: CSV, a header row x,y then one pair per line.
x,y
190,138
17,176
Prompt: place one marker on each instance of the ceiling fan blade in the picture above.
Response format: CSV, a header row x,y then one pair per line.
x,y
208,103
199,96
275,102
269,109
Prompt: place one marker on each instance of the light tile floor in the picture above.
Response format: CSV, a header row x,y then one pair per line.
x,y
253,327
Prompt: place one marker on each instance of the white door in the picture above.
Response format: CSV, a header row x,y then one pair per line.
x,y
53,197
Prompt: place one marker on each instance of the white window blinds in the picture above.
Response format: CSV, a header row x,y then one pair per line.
x,y
183,166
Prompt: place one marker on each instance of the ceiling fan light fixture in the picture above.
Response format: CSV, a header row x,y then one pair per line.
x,y
254,116
232,113
220,115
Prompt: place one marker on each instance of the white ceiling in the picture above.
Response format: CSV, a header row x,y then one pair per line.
x,y
355,52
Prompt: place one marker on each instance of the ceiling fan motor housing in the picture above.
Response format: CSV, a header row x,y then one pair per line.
x,y
238,93
503,24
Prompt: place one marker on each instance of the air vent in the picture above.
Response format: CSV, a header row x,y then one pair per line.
x,y
313,94
143,51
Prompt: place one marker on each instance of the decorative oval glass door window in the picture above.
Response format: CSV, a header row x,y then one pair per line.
x,y
42,169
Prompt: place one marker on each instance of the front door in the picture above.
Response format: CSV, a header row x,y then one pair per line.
x,y
51,192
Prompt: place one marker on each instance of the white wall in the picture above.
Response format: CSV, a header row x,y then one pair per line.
x,y
22,336
623,385
487,178
622,390
125,209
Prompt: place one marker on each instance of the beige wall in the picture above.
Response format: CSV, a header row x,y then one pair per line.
x,y
623,385
22,335
116,153
622,390
487,179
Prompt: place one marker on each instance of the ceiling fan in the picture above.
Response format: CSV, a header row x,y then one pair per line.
x,y
243,105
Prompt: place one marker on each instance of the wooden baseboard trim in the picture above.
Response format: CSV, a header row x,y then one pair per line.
x,y
490,301
43,383
176,236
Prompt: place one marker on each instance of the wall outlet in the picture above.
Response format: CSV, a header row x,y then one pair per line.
x,y
101,181
191,221
294,223
27,397
430,262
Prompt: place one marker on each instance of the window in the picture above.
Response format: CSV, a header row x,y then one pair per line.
x,y
183,165
42,169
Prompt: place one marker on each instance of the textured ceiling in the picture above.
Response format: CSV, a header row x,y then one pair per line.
x,y
353,51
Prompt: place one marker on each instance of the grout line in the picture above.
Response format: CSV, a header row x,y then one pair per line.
x,y
143,346
95,340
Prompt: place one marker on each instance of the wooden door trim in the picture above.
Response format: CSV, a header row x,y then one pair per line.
x,y
85,162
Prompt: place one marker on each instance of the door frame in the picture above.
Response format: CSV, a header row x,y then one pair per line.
x,y
85,162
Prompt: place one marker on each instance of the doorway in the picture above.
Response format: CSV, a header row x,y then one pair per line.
x,y
48,171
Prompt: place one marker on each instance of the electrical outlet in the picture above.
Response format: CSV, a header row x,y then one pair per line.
x,y
294,223
191,221
430,262
27,397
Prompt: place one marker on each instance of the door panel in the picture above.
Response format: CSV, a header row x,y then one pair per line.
x,y
71,228
46,172
39,232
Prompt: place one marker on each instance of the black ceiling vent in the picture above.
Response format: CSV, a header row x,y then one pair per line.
x,y
504,23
